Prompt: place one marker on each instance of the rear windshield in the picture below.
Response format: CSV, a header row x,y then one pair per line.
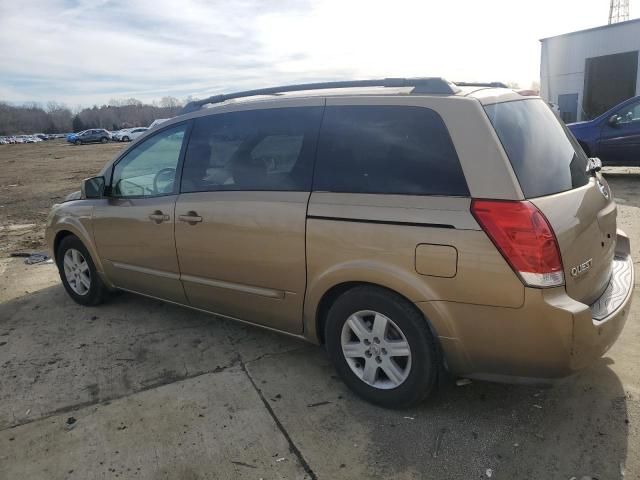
x,y
544,155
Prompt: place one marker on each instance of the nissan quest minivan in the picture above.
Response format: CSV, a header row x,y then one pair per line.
x,y
411,226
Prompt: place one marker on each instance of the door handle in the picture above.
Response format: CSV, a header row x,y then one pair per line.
x,y
158,217
191,218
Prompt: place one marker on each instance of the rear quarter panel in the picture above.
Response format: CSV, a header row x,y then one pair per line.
x,y
368,250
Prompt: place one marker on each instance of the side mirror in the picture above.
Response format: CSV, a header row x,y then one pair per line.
x,y
93,187
613,120
594,165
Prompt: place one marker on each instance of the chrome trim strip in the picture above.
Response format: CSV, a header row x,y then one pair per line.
x,y
263,292
617,292
246,322
148,271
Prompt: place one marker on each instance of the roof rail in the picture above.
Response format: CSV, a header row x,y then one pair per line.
x,y
436,85
482,84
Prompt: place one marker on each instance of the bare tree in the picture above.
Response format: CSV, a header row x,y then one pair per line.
x,y
57,118
169,102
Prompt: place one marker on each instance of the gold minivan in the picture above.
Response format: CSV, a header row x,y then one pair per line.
x,y
412,226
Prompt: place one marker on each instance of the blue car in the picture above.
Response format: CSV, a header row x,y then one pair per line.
x,y
614,136
72,137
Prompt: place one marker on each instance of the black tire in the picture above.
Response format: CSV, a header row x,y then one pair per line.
x,y
422,378
104,140
125,139
97,290
78,142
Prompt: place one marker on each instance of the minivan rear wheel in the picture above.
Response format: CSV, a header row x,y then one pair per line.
x,y
382,347
78,272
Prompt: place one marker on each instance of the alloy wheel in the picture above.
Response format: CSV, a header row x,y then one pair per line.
x,y
376,349
76,271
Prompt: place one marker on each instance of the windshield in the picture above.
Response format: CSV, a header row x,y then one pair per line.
x,y
544,155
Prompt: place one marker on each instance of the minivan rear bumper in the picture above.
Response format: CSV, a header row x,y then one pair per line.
x,y
549,337
608,314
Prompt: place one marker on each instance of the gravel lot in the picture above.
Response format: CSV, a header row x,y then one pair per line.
x,y
140,389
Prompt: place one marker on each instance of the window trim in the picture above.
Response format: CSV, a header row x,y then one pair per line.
x,y
176,187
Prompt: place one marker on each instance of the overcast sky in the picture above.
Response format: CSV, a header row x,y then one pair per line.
x,y
87,52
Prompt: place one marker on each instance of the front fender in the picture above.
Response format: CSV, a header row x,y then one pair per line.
x,y
74,217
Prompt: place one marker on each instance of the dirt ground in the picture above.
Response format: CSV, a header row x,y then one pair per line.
x,y
35,176
137,388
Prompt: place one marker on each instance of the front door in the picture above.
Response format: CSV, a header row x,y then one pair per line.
x,y
620,142
241,214
133,225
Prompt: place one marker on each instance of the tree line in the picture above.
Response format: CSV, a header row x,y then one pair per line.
x,y
57,118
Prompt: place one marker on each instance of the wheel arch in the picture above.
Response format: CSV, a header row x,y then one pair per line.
x,y
332,294
60,235
74,218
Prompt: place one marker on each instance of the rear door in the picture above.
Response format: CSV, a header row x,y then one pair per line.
x,y
551,170
240,229
620,142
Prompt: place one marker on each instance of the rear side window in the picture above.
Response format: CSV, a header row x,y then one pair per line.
x,y
387,149
270,149
543,153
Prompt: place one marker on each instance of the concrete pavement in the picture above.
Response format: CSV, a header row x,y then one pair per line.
x,y
159,391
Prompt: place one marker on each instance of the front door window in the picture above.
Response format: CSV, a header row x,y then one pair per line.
x,y
149,169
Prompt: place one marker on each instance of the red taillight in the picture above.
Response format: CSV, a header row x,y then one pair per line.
x,y
524,238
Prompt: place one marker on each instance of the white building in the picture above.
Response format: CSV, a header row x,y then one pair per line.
x,y
589,71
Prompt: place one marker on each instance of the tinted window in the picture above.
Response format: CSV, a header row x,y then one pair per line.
x,y
387,149
270,149
544,155
149,169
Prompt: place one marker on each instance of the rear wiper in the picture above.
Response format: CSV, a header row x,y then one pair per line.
x,y
594,165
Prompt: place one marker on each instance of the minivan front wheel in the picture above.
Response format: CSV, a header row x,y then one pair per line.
x,y
78,272
382,347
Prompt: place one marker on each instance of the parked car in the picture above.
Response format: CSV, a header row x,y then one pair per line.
x,y
72,137
130,134
90,136
41,136
411,229
614,136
